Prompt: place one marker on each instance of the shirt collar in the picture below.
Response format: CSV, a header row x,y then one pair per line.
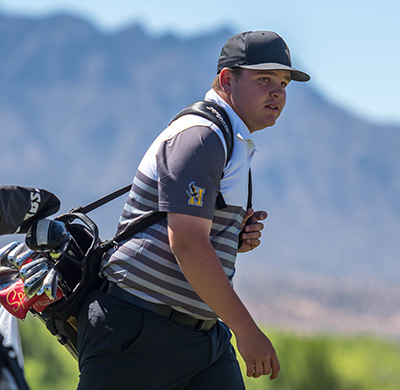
x,y
238,126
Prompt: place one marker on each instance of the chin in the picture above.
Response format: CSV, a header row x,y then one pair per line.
x,y
261,126
270,123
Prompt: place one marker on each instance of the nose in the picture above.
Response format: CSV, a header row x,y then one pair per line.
x,y
277,92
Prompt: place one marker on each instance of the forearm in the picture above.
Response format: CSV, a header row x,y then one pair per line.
x,y
203,270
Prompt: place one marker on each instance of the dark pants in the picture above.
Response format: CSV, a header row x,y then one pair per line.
x,y
124,347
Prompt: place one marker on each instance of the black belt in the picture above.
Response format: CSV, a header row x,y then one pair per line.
x,y
163,310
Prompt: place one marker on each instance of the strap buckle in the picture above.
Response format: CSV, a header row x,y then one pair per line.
x,y
205,325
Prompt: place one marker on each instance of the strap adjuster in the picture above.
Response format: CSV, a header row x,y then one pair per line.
x,y
205,325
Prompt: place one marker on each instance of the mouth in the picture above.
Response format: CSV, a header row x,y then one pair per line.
x,y
273,107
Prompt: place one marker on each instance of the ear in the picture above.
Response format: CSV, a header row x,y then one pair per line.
x,y
225,79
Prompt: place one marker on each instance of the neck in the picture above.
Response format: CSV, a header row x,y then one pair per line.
x,y
225,97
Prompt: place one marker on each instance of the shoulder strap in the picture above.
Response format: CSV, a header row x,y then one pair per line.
x,y
250,191
100,202
137,227
216,114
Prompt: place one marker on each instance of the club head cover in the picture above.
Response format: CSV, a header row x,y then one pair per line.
x,y
22,206
46,235
45,301
15,301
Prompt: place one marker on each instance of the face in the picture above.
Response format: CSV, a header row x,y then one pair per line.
x,y
258,97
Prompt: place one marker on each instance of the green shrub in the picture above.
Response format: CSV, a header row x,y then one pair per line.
x,y
48,365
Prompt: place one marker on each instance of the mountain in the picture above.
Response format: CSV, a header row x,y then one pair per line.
x,y
77,97
78,108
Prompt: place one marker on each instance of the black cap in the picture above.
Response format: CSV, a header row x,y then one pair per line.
x,y
259,50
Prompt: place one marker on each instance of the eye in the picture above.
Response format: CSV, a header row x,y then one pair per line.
x,y
264,79
284,84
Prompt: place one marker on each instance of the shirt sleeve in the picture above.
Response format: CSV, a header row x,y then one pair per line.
x,y
190,166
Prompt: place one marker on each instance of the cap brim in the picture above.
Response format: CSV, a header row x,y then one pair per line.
x,y
296,75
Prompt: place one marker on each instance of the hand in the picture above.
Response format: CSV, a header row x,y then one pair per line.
x,y
251,230
259,354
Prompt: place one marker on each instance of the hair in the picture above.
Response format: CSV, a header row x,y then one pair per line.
x,y
236,72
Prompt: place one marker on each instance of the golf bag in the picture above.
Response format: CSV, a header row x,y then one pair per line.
x,y
78,277
25,271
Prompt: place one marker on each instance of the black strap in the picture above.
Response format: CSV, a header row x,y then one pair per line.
x,y
139,226
216,114
162,310
249,206
100,202
250,191
130,230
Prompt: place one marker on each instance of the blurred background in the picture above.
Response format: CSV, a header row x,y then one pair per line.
x,y
86,86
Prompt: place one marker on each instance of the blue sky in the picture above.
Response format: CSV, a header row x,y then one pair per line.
x,y
351,48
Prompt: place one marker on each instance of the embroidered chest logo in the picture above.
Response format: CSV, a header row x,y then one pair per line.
x,y
195,195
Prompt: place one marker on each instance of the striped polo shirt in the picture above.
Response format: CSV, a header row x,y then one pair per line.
x,y
181,173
